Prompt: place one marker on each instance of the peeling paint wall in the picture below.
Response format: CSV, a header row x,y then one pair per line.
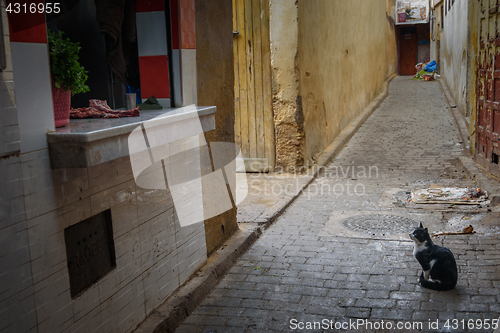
x,y
347,50
454,53
287,104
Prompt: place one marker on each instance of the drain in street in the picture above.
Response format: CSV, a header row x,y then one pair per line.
x,y
379,224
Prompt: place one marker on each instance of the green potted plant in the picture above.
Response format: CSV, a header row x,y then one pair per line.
x,y
68,76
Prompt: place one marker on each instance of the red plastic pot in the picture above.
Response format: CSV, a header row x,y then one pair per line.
x,y
62,104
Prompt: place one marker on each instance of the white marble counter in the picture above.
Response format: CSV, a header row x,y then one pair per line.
x,y
87,142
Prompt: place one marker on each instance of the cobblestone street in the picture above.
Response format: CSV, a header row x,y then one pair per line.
x,y
341,251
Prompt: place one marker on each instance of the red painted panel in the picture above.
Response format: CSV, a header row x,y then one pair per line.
x,y
491,90
497,59
27,27
496,122
482,116
497,89
479,115
481,147
149,6
188,36
489,120
154,76
174,15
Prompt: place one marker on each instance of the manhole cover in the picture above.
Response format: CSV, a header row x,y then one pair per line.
x,y
380,224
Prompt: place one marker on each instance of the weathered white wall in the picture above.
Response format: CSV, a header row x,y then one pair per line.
x,y
454,57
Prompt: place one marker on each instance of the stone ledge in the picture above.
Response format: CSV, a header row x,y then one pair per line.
x,y
88,142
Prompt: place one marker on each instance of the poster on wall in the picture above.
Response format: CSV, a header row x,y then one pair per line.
x,y
412,11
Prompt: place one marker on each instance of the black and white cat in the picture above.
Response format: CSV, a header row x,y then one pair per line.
x,y
436,261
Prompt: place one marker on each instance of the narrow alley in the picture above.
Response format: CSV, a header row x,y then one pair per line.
x,y
249,166
341,252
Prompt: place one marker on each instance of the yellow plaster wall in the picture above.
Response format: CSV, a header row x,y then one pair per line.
x,y
346,51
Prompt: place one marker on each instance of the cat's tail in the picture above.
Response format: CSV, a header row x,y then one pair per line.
x,y
435,285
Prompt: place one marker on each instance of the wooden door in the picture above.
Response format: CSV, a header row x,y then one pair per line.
x,y
488,88
254,123
408,53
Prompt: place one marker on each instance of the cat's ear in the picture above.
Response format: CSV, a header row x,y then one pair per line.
x,y
426,230
421,226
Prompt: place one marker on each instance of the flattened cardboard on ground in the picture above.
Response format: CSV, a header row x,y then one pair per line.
x,y
450,195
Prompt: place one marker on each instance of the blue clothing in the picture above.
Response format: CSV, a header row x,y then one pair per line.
x,y
431,67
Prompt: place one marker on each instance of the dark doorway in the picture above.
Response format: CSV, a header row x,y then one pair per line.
x,y
408,50
78,21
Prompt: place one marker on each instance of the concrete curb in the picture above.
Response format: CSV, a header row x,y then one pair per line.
x,y
460,121
188,296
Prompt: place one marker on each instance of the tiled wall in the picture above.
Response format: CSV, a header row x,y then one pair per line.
x,y
154,255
